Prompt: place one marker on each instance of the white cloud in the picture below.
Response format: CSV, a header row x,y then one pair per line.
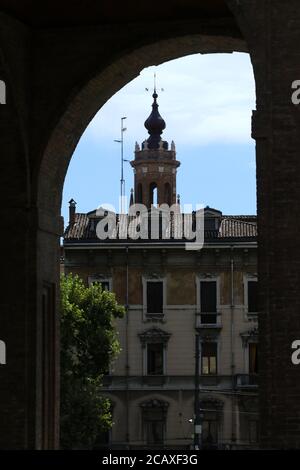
x,y
207,99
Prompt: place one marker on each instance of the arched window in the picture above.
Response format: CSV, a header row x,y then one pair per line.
x,y
154,418
212,413
153,194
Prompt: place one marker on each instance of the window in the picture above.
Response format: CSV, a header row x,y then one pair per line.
x,y
155,297
253,358
212,412
210,224
155,359
153,197
210,430
106,284
252,297
208,301
155,432
209,358
154,417
154,343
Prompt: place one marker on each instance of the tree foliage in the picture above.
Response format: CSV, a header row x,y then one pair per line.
x,y
89,343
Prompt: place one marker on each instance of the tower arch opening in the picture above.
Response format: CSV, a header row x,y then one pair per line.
x,y
153,194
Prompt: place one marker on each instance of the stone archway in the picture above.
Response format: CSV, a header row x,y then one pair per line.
x,y
77,116
57,78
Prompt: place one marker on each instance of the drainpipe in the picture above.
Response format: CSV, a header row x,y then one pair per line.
x,y
233,427
127,367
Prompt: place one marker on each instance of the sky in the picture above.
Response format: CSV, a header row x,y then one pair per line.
x,y
207,103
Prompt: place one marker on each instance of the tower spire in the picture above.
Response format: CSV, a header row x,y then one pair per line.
x,y
155,124
155,166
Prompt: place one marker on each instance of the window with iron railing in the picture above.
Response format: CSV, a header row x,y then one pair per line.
x,y
209,356
208,302
154,297
253,358
210,431
252,297
155,359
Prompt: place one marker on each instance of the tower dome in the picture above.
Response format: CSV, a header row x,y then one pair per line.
x,y
155,125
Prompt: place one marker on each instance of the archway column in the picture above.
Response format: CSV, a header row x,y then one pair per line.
x,y
274,50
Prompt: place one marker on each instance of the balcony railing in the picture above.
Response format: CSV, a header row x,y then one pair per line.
x,y
208,320
154,316
246,380
181,382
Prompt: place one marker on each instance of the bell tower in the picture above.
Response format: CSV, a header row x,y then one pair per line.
x,y
155,166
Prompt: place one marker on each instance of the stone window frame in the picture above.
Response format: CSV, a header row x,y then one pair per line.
x,y
214,405
100,278
153,403
248,337
248,412
208,277
209,338
246,278
154,278
152,336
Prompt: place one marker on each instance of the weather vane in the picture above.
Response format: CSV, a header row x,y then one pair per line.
x,y
161,89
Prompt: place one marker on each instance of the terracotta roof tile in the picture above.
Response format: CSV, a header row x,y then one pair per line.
x,y
231,227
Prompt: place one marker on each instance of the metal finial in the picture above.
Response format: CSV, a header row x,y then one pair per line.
x,y
154,85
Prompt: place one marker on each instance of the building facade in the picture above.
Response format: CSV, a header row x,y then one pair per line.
x,y
189,338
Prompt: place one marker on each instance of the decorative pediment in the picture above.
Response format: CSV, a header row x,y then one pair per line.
x,y
154,276
208,335
211,404
100,276
154,335
208,275
250,335
154,403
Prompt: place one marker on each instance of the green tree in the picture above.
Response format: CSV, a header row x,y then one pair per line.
x,y
89,343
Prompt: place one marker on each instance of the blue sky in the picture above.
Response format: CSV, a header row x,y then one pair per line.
x,y
207,104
